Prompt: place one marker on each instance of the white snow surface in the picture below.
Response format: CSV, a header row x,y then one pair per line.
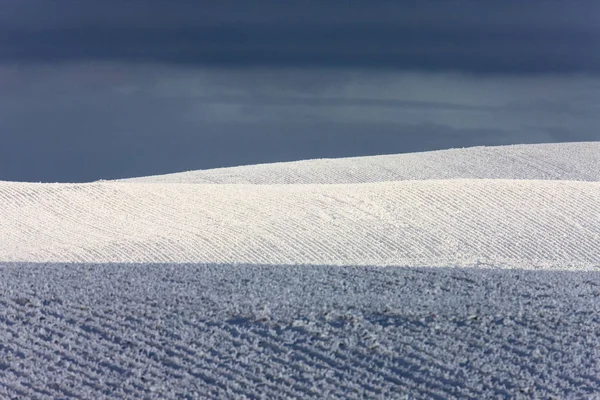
x,y
467,273
502,223
578,161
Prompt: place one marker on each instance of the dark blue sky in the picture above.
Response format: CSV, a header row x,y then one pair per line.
x,y
116,88
487,36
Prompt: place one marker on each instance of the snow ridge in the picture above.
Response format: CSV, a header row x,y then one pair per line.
x,y
578,161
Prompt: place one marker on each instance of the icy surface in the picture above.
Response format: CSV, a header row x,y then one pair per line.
x,y
471,273
222,331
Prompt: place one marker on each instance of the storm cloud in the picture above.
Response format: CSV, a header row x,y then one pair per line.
x,y
107,89
102,121
484,37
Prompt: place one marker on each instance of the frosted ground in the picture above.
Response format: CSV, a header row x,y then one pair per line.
x,y
466,273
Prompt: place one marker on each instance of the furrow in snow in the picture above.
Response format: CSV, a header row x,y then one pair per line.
x,y
510,223
232,331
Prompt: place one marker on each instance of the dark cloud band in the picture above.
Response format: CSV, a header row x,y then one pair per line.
x,y
482,37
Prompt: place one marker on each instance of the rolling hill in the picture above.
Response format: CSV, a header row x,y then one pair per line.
x,y
464,273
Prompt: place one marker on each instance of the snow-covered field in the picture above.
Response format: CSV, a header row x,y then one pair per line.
x,y
559,161
450,274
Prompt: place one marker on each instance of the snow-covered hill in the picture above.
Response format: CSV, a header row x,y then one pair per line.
x,y
556,161
503,223
470,273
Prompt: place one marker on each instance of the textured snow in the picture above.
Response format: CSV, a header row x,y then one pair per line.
x,y
221,331
471,273
503,223
578,161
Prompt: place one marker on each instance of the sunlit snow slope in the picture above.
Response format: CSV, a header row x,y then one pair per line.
x,y
555,161
266,281
408,209
505,223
